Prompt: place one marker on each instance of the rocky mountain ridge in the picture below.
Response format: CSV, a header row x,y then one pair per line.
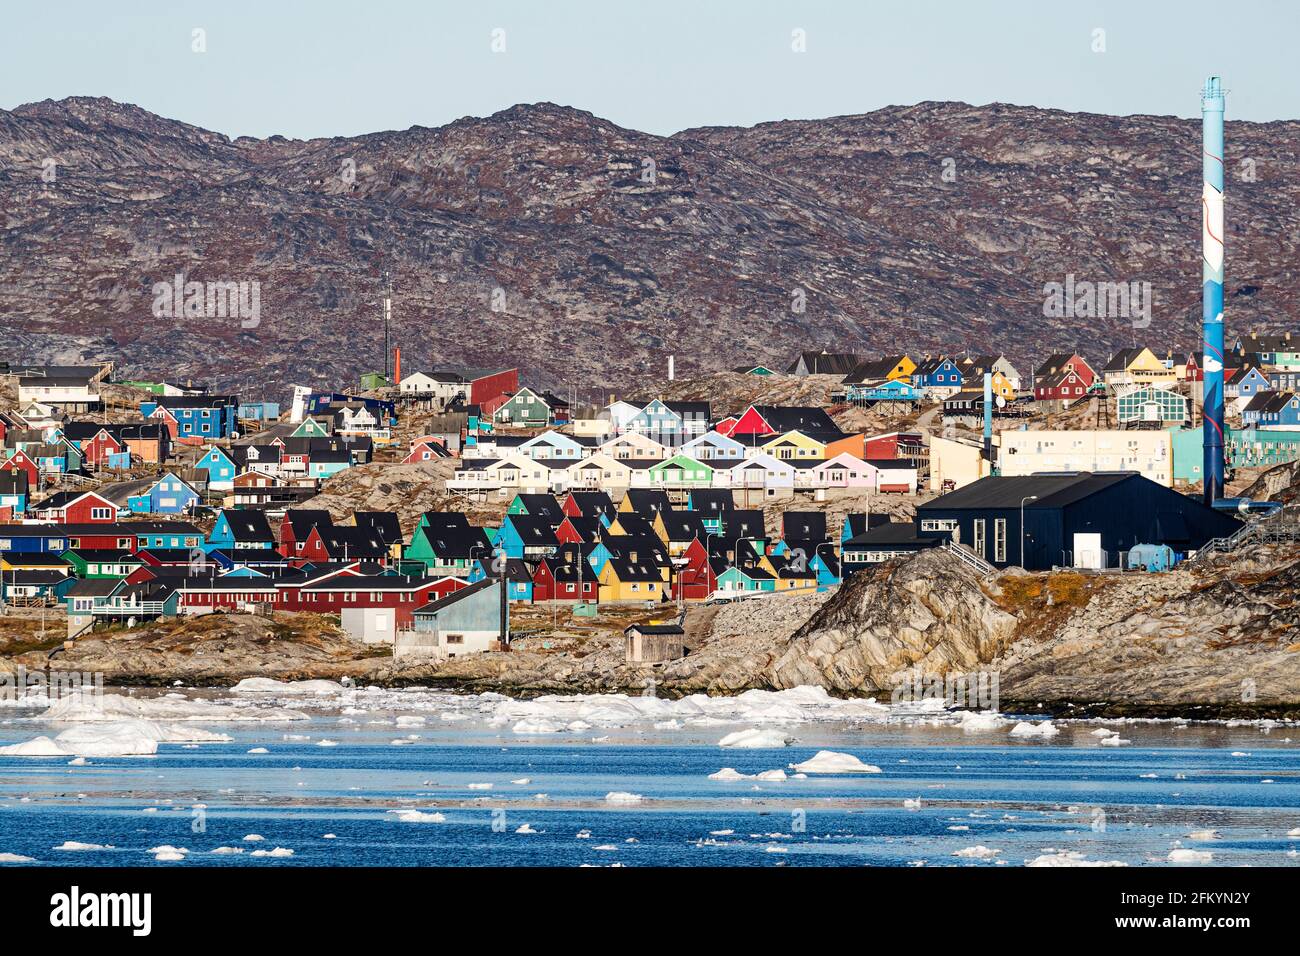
x,y
548,238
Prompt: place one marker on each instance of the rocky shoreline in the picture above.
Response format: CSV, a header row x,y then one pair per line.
x,y
1220,642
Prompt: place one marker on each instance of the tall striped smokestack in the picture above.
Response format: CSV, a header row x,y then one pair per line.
x,y
1212,284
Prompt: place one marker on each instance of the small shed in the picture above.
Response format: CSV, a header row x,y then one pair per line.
x,y
654,643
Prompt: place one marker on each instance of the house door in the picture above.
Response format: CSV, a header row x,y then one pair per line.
x,y
1151,412
1087,551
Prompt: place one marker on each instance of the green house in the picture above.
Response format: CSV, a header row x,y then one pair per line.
x,y
752,578
373,380
681,471
91,563
525,408
310,428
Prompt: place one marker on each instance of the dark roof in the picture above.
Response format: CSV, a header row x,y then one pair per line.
x,y
804,525
786,418
382,524
193,401
859,522
893,533
1053,491
712,501
535,529
671,629
592,503
646,501
870,369
93,587
248,525
302,520
540,505
684,525
459,594
738,524
825,363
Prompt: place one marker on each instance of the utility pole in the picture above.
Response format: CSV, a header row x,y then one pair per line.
x,y
388,314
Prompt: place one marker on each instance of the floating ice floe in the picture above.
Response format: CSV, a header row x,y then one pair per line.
x,y
279,851
1114,741
418,816
72,846
1035,728
227,850
536,725
1070,858
829,761
15,858
974,721
83,708
912,804
755,739
622,797
169,854
1203,835
980,852
265,685
525,828
1183,855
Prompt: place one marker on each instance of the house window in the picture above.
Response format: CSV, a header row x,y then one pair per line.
x,y
979,543
1000,539
939,524
455,638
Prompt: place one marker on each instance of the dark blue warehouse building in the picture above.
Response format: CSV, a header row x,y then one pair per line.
x,y
1078,519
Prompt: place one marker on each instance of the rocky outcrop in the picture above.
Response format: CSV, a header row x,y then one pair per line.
x,y
930,613
1156,643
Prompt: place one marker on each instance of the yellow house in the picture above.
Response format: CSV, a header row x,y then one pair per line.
x,y
1001,386
18,561
1137,366
902,368
795,445
622,581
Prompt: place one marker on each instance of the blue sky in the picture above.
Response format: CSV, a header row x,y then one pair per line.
x,y
329,67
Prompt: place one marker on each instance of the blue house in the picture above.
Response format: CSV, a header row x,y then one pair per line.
x,y
826,566
941,375
198,416
1246,383
528,536
259,411
1282,410
519,580
220,467
894,390
168,495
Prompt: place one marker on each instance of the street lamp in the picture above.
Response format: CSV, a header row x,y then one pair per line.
x,y
1022,526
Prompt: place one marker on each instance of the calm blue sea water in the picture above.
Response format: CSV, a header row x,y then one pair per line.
x,y
1021,798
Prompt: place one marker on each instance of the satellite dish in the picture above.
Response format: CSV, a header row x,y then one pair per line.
x,y
1000,402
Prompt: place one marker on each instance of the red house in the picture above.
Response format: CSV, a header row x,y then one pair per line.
x,y
96,450
77,507
400,593
588,504
295,527
20,462
697,578
493,386
1063,378
893,445
164,417
566,582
